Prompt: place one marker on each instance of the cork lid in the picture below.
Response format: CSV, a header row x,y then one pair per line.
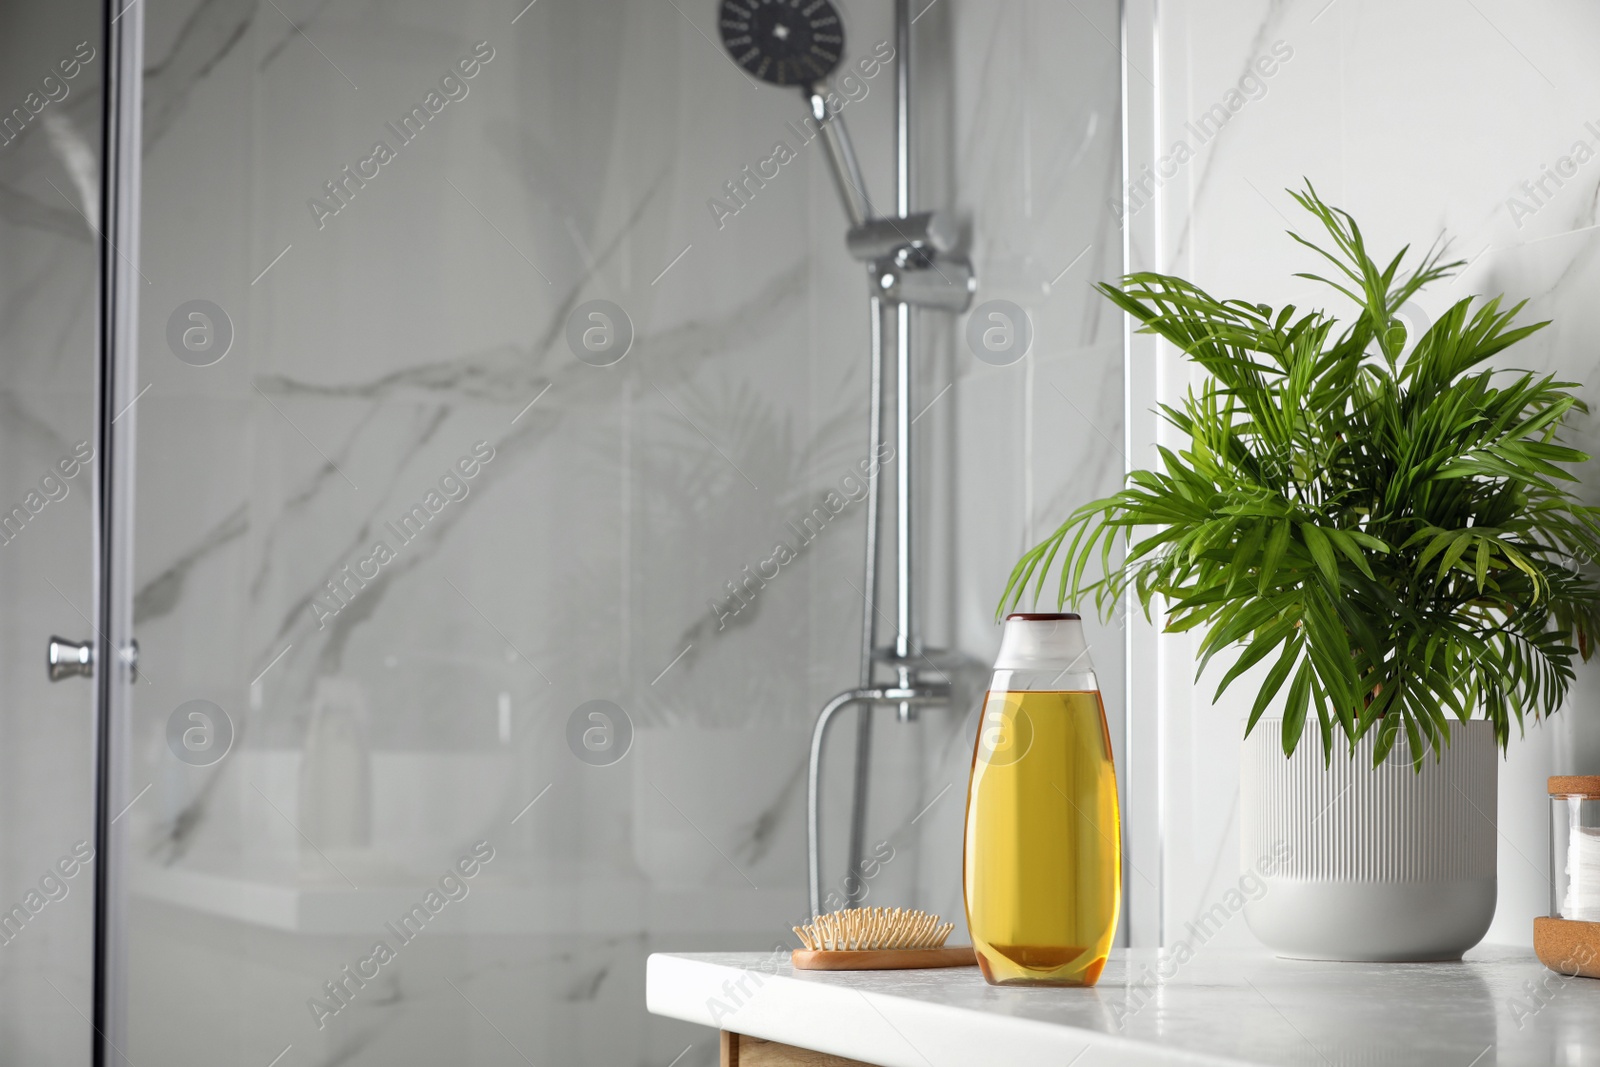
x,y
1575,785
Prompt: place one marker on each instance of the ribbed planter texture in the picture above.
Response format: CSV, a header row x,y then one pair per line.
x,y
1370,863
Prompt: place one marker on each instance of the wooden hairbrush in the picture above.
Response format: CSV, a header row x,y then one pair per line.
x,y
878,939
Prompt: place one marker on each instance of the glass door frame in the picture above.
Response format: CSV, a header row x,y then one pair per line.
x,y
116,407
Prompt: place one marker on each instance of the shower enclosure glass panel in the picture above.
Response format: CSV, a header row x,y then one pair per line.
x,y
500,517
51,66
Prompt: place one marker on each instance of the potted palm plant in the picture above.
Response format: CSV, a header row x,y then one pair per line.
x,y
1387,529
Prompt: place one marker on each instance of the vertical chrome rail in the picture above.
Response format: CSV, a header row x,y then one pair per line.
x,y
117,329
904,644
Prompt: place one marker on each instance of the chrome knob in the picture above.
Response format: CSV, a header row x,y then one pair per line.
x,y
67,659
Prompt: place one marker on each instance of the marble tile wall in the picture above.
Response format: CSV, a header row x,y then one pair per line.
x,y
1422,119
375,346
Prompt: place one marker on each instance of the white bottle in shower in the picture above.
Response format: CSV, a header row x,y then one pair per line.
x,y
335,779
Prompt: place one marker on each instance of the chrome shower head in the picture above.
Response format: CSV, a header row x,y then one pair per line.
x,y
798,43
785,42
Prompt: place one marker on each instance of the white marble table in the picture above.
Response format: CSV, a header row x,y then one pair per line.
x,y
1223,1007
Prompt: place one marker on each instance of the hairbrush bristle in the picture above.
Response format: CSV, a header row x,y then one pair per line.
x,y
857,929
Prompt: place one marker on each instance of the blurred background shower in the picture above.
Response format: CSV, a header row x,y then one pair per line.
x,y
500,423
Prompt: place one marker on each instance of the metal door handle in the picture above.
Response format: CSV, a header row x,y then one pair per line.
x,y
67,659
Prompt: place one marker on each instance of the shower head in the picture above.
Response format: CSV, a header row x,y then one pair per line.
x,y
798,43
785,42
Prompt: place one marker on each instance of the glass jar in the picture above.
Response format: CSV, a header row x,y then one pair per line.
x,y
1575,847
1042,869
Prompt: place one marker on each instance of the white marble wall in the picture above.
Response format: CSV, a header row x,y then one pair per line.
x,y
1420,118
374,350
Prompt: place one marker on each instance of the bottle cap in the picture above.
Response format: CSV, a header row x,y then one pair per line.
x,y
1033,641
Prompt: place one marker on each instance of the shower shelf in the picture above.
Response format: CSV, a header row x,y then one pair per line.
x,y
611,906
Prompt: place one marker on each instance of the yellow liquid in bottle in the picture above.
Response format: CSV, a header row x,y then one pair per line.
x,y
1043,858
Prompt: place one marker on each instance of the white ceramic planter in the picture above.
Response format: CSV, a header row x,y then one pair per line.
x,y
1372,864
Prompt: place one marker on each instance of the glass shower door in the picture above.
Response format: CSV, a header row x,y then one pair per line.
x,y
501,504
450,451
51,77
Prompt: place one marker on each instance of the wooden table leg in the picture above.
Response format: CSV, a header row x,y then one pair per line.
x,y
739,1050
